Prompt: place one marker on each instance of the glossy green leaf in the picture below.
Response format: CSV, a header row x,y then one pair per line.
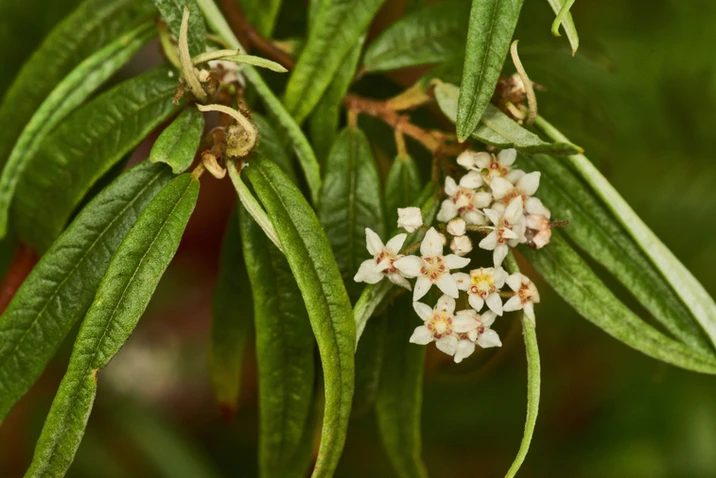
x,y
431,34
93,25
595,230
262,14
400,396
311,260
534,380
374,294
351,201
172,12
83,148
231,321
61,287
580,287
277,112
692,293
179,142
568,24
402,188
492,23
337,27
497,129
285,350
369,361
325,119
73,90
122,297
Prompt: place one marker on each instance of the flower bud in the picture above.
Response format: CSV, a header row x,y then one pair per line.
x,y
457,227
410,218
461,245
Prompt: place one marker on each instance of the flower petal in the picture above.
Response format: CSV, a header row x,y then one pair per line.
x,y
465,348
489,338
476,302
515,281
513,304
450,186
500,187
499,275
493,215
514,209
432,244
422,286
373,242
529,183
487,318
530,311
453,261
494,302
507,156
482,199
446,304
466,159
474,218
463,323
534,206
409,266
368,272
499,254
472,180
399,280
446,283
424,311
462,280
448,210
396,243
482,159
447,344
489,242
421,336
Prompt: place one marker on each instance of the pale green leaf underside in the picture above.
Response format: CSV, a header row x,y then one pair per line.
x,y
568,24
172,12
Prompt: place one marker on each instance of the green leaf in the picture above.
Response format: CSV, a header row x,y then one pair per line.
x,y
232,319
400,396
374,294
83,148
262,14
122,297
351,201
337,27
178,143
172,12
432,34
533,381
272,147
692,293
285,355
596,231
304,152
311,260
369,360
323,122
492,23
497,129
73,90
580,287
402,188
61,287
568,24
93,25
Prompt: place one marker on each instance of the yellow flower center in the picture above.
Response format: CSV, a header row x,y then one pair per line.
x,y
433,268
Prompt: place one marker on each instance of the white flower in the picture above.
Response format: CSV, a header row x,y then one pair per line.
x,y
440,325
461,245
539,230
526,295
457,227
432,267
382,264
483,286
410,218
500,166
464,199
468,159
508,230
472,328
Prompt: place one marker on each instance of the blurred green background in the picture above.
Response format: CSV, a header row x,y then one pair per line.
x,y
640,97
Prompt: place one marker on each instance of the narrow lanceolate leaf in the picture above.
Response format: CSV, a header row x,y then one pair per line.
x,y
172,11
83,148
93,25
178,143
285,350
568,24
323,122
497,129
369,361
232,316
374,294
311,260
351,201
534,379
271,146
74,89
431,34
262,14
692,293
597,232
337,27
61,287
580,287
492,23
122,297
400,395
277,112
402,188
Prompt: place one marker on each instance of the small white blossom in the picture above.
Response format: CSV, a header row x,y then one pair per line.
x,y
464,200
499,166
526,295
432,267
410,218
478,332
457,227
372,271
483,287
539,230
440,325
508,230
461,245
468,159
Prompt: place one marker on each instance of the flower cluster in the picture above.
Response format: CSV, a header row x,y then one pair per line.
x,y
493,198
